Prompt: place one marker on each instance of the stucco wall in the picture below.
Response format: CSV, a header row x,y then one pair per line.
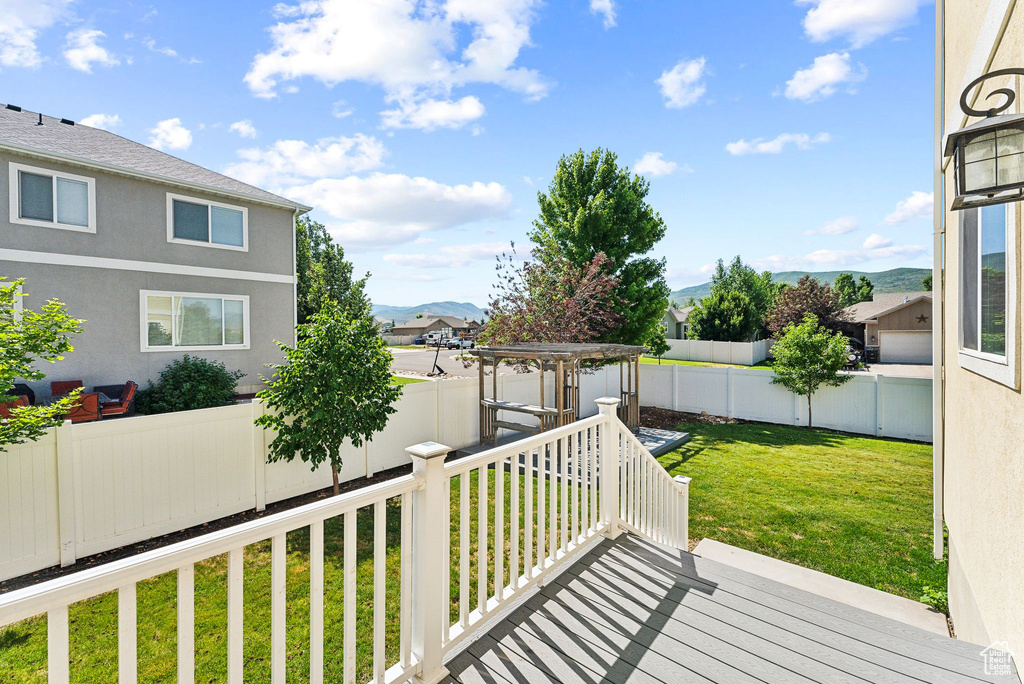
x,y
984,420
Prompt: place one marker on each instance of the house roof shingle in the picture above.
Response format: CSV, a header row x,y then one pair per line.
x,y
427,321
883,303
95,148
680,315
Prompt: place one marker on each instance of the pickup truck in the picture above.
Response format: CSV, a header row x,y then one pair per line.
x,y
460,343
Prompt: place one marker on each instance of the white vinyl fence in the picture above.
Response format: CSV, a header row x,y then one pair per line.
x,y
84,489
740,353
868,404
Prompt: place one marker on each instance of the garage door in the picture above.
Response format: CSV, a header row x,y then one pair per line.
x,y
906,347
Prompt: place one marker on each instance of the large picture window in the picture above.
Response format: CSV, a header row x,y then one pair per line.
x,y
190,321
987,313
212,224
52,199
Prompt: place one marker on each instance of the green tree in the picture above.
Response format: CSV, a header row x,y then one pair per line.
x,y
865,289
808,296
852,291
725,316
758,287
926,282
335,384
656,344
323,273
595,207
807,357
28,337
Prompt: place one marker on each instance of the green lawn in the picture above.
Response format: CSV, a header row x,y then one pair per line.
x,y
407,346
399,380
94,622
854,507
764,365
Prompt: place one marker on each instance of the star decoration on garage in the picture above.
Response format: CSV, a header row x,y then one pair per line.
x,y
922,319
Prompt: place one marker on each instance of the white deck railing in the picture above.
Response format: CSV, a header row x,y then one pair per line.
x,y
537,505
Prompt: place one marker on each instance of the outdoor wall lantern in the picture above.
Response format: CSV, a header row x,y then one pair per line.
x,y
988,156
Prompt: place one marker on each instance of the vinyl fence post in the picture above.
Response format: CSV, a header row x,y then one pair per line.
x,y
608,466
65,492
879,406
259,455
429,593
684,511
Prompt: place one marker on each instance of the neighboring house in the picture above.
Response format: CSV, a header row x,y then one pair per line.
x,y
675,322
160,257
979,407
449,326
898,325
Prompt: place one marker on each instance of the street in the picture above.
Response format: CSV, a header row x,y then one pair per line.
x,y
421,362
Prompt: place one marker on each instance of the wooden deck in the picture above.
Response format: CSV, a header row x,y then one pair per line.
x,y
634,611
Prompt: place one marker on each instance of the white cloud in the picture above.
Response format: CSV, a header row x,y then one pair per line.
x,y
451,256
802,141
682,85
20,24
839,226
340,110
389,209
654,164
82,50
431,114
875,247
105,121
918,206
294,162
823,77
243,128
606,8
415,51
860,21
169,134
160,50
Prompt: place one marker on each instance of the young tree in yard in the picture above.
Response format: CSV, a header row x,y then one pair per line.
x,y
656,344
725,316
595,207
808,296
323,273
807,357
550,300
26,338
335,384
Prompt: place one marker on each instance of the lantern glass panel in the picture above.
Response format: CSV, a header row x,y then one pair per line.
x,y
980,174
1010,142
982,147
1011,169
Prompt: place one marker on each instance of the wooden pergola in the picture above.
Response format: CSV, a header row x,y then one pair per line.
x,y
567,361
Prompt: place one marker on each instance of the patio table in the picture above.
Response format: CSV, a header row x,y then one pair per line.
x,y
57,397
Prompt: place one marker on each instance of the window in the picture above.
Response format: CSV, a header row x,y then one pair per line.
x,y
987,291
52,199
190,321
212,224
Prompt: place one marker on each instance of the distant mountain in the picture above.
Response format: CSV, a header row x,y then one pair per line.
x,y
402,314
895,280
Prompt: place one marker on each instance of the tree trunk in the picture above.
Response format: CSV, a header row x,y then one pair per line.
x,y
334,476
809,425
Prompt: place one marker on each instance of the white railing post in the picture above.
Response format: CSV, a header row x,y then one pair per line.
x,y
684,510
608,468
64,444
429,596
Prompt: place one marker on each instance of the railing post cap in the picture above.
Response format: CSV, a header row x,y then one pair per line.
x,y
607,401
682,479
428,450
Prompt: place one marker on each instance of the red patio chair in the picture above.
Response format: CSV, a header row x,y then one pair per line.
x,y
62,387
122,405
85,409
5,409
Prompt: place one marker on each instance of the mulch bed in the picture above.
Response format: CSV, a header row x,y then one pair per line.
x,y
665,419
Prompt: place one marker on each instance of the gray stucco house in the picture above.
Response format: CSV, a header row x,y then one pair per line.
x,y
160,257
676,322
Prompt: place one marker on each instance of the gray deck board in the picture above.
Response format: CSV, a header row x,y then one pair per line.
x,y
633,611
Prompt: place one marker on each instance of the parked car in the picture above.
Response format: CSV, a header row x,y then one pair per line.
x,y
460,343
433,338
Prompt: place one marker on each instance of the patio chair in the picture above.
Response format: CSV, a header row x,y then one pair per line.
x,y
85,409
23,390
61,387
5,409
122,405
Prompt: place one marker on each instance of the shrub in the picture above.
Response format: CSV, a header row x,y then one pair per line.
x,y
190,383
936,598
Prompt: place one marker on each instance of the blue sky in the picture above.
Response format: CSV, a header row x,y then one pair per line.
x,y
796,134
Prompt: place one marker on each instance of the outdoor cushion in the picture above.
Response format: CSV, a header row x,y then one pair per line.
x,y
62,387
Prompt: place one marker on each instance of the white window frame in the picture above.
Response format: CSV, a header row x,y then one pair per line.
x,y
14,182
1001,369
144,321
209,222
